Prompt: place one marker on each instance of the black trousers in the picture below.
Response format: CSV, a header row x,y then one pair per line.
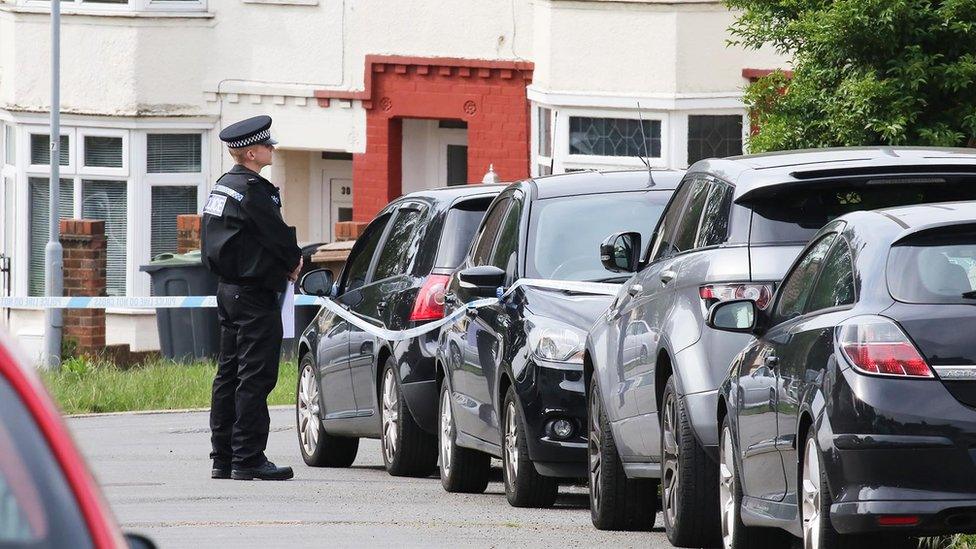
x,y
247,371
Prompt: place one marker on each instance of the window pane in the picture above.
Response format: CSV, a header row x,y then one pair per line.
x,y
173,153
836,284
796,288
457,164
614,137
167,203
663,240
545,132
103,152
508,239
688,227
9,215
357,266
400,247
40,145
10,145
714,136
715,221
489,230
39,227
459,227
105,200
936,266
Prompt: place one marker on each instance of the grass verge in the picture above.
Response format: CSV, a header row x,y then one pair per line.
x,y
95,386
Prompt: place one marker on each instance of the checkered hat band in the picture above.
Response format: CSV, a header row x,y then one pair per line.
x,y
256,138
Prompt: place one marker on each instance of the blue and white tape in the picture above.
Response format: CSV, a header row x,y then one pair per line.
x,y
196,302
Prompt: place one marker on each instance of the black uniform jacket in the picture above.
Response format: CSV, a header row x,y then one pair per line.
x,y
245,239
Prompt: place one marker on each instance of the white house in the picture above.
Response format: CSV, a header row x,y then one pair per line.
x,y
370,99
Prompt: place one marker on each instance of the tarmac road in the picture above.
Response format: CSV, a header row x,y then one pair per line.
x,y
155,471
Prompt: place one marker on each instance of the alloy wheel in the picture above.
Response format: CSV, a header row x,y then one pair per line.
x,y
446,432
671,476
308,410
811,496
391,416
726,489
511,445
596,465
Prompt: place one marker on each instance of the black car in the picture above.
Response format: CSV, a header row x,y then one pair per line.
x,y
851,418
510,373
354,384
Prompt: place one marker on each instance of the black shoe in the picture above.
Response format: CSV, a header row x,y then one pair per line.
x,y
267,471
220,471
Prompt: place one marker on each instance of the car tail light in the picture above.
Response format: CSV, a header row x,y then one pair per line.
x,y
876,345
430,300
714,293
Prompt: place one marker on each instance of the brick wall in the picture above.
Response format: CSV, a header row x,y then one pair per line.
x,y
187,233
349,230
489,95
85,259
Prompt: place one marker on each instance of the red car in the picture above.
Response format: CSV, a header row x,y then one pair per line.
x,y
48,499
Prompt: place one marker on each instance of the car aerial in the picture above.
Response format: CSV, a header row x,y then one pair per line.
x,y
511,372
356,384
849,420
47,496
732,229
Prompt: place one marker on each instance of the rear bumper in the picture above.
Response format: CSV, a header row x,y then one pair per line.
x,y
415,360
935,517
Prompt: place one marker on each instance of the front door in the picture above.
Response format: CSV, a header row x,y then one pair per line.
x,y
340,191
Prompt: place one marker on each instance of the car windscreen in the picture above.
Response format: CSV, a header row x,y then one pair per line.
x,y
37,508
459,227
565,233
794,213
936,267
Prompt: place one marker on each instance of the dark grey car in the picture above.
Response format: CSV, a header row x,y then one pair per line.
x,y
732,229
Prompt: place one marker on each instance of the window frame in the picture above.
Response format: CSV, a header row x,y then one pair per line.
x,y
386,216
45,169
840,240
504,203
774,314
96,171
602,160
85,6
517,199
422,211
651,254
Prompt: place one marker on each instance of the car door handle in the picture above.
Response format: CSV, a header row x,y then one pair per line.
x,y
667,275
635,289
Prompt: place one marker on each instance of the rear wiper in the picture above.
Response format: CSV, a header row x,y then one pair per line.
x,y
619,278
969,295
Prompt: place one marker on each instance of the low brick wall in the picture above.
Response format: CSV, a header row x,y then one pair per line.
x,y
85,272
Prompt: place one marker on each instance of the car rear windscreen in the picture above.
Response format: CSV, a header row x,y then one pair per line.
x,y
459,227
938,266
794,213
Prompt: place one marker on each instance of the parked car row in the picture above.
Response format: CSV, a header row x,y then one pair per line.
x,y
835,404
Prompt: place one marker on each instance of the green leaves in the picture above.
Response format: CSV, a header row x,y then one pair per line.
x,y
866,72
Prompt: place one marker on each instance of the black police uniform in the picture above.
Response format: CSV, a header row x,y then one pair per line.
x,y
247,244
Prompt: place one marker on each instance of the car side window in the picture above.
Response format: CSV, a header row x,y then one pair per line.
x,y
489,231
664,237
508,237
357,266
835,287
687,231
798,283
714,226
400,246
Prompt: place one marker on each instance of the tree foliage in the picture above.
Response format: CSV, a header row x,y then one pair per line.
x,y
865,72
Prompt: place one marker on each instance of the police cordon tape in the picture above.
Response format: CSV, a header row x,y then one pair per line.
x,y
198,302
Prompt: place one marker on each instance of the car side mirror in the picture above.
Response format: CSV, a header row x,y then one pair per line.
x,y
483,280
138,541
739,315
317,283
620,252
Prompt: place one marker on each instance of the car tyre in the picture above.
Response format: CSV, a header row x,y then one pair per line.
x,y
319,448
463,470
408,451
735,534
689,479
524,486
616,502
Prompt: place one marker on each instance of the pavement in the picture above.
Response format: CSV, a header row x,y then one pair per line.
x,y
155,472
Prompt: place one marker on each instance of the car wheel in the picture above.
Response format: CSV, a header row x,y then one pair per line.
x,y
616,502
735,534
319,449
408,451
524,486
462,469
689,479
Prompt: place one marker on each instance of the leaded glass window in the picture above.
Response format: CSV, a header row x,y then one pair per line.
x,y
712,136
614,137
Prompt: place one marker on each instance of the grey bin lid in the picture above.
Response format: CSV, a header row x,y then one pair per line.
x,y
161,261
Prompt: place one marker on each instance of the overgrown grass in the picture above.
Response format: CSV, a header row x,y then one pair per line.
x,y
86,385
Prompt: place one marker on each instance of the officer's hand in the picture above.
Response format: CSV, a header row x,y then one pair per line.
x,y
294,274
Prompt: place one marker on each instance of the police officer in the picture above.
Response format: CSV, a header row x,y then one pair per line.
x,y
254,254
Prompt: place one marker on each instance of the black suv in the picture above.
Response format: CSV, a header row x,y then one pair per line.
x,y
353,384
511,373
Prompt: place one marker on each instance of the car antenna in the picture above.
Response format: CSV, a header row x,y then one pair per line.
x,y
552,142
646,159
